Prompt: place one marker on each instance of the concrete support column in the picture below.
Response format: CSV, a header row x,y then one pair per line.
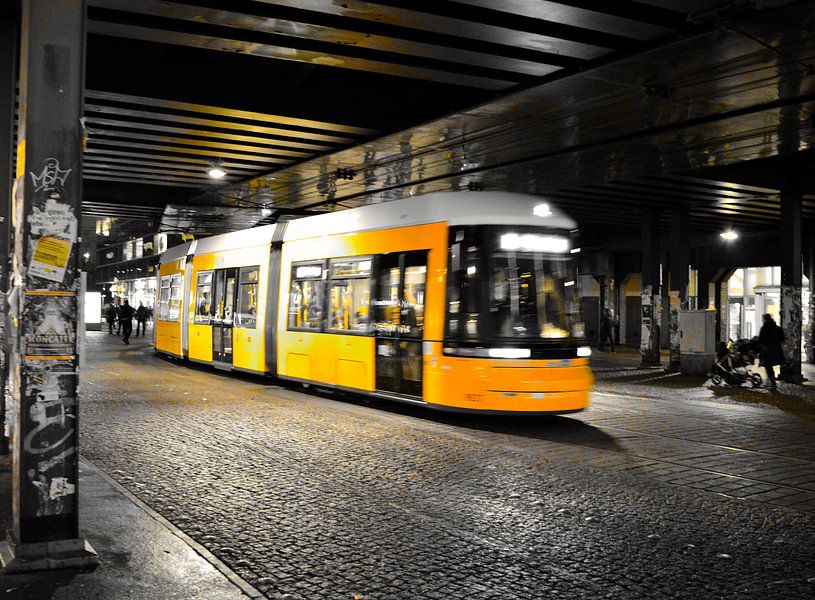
x,y
9,40
791,272
679,266
43,374
651,292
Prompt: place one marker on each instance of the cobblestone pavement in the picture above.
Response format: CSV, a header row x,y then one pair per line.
x,y
662,489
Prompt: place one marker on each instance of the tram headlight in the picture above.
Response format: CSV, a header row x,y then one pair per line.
x,y
584,351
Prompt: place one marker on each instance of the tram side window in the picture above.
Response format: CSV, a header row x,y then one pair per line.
x,y
350,295
175,298
169,306
248,298
164,299
306,296
203,297
464,286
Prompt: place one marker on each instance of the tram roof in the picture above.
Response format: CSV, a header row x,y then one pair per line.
x,y
454,208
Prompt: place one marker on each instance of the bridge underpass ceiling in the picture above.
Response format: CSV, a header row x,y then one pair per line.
x,y
606,110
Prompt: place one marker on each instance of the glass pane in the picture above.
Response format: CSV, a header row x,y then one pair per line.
x,y
175,298
351,267
203,297
218,296
305,304
527,296
247,299
350,304
386,303
164,299
412,308
229,299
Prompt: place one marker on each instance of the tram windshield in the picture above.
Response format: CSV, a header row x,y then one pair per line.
x,y
511,285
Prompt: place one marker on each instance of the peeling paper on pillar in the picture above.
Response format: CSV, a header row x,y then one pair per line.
x,y
646,307
52,223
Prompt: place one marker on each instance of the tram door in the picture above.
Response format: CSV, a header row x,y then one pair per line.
x,y
399,322
223,317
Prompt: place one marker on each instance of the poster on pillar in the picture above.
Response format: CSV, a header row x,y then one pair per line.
x,y
52,223
48,451
50,325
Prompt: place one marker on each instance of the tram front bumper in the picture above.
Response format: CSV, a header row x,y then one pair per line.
x,y
540,386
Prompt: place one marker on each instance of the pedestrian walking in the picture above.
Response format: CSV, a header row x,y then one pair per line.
x,y
142,314
126,313
770,339
606,329
112,315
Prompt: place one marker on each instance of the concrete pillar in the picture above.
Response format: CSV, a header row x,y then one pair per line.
x,y
791,272
679,266
651,292
811,276
43,374
9,40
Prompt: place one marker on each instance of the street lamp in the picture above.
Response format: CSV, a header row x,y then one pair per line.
x,y
729,235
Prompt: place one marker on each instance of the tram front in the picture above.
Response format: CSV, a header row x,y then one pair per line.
x,y
514,338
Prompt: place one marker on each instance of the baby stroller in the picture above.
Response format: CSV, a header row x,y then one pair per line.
x,y
732,360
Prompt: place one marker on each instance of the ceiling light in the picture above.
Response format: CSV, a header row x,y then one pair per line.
x,y
216,171
729,235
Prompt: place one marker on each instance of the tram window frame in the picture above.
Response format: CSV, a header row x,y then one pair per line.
x,y
239,319
164,302
176,294
319,281
199,318
169,283
354,276
466,264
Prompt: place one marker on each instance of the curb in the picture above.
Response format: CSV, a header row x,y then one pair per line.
x,y
233,577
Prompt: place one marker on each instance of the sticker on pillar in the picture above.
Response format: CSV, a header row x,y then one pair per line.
x,y
50,258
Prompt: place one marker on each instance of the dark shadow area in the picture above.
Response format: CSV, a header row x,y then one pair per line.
x,y
38,585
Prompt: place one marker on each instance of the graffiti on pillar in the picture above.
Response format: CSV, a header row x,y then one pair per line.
x,y
647,318
52,223
50,396
791,313
675,334
810,345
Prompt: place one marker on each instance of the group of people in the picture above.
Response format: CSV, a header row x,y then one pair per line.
x,y
770,340
122,317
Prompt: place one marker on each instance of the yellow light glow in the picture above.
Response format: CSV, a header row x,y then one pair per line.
x,y
729,235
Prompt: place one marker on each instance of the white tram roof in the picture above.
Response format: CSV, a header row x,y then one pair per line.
x,y
179,251
454,208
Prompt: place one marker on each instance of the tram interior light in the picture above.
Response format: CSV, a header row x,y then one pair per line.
x,y
584,351
529,242
729,235
568,283
575,250
509,352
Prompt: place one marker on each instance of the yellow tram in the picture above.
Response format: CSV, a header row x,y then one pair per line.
x,y
458,301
